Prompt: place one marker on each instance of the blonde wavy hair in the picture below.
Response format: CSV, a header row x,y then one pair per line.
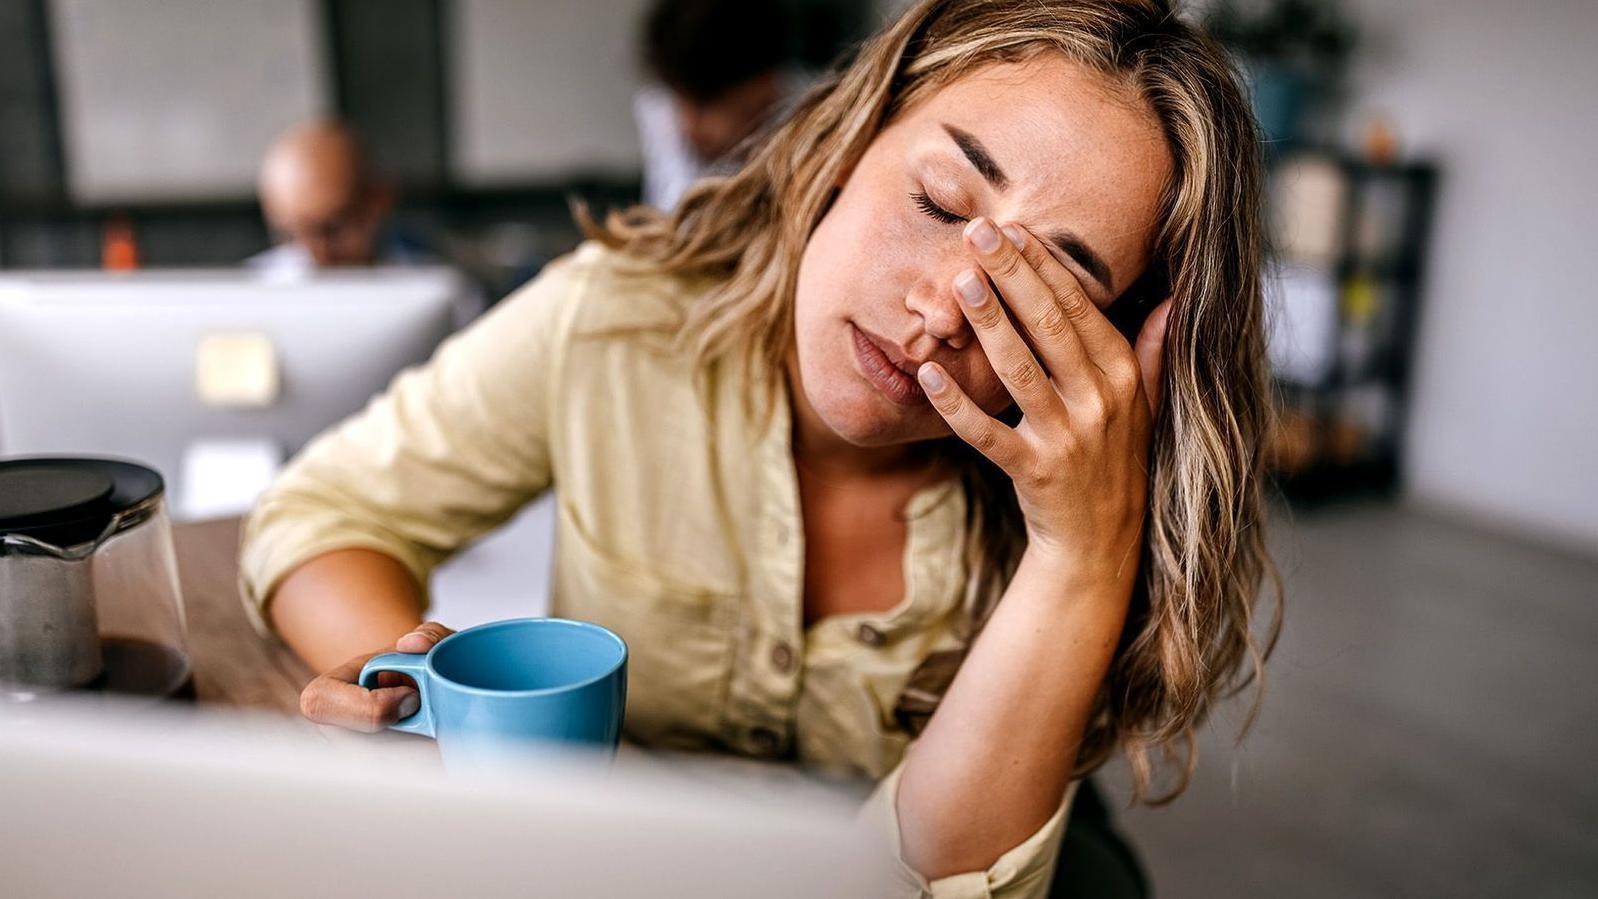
x,y
1190,636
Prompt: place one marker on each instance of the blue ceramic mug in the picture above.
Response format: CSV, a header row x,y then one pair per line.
x,y
512,684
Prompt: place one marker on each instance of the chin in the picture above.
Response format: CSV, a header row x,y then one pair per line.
x,y
861,416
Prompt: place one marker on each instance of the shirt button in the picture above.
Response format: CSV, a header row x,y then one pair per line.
x,y
782,658
870,636
765,740
781,533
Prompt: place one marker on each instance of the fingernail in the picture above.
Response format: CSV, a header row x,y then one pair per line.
x,y
970,288
981,233
410,705
930,378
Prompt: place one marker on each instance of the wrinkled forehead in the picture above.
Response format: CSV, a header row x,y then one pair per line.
x,y
1080,150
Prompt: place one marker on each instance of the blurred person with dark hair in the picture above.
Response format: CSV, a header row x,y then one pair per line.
x,y
324,203
721,69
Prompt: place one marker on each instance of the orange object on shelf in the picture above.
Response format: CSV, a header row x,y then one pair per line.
x,y
119,250
1291,445
1381,141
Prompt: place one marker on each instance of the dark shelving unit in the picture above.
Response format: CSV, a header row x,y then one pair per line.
x,y
1341,433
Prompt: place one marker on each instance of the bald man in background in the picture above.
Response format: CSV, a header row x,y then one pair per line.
x,y
324,204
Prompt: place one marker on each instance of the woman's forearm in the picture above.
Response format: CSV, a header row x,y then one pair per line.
x,y
343,603
995,759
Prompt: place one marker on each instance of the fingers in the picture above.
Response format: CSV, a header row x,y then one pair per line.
x,y
1099,342
1151,353
1072,301
334,698
1041,312
986,434
422,638
1012,359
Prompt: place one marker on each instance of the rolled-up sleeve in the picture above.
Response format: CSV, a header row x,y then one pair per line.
x,y
1023,872
451,449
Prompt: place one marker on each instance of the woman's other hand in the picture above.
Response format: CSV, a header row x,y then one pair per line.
x,y
1079,456
335,698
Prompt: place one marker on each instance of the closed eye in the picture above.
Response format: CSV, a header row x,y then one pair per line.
x,y
925,204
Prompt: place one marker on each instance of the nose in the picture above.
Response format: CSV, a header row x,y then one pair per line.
x,y
939,311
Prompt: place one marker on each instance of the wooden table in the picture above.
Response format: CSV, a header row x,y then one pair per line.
x,y
233,665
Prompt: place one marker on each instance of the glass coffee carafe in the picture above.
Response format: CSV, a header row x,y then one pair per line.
x,y
89,595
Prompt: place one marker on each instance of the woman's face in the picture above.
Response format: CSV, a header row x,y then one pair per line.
x,y
1046,144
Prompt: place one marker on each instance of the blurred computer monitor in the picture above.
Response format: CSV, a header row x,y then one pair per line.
x,y
105,800
211,377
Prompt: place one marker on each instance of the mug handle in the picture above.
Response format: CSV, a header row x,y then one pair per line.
x,y
414,665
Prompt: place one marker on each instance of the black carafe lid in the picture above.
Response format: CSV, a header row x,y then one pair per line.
x,y
67,501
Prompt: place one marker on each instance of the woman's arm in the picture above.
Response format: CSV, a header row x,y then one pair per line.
x,y
343,603
993,764
344,607
336,554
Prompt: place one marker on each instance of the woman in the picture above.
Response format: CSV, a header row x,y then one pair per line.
x,y
848,448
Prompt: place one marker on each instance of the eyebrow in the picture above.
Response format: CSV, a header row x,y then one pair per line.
x,y
1073,246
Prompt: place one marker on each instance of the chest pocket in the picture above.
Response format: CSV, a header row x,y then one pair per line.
x,y
680,636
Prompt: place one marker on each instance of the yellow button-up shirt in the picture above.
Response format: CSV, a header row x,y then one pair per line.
x,y
679,528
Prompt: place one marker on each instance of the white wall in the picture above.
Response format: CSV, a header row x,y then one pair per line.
x,y
543,89
1505,420
180,99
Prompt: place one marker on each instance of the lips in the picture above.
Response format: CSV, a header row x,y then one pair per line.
x,y
886,368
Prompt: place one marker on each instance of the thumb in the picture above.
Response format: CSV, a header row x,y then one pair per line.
x,y
1150,349
423,637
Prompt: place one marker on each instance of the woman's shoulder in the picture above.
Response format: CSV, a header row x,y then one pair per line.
x,y
596,288
604,328
615,293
